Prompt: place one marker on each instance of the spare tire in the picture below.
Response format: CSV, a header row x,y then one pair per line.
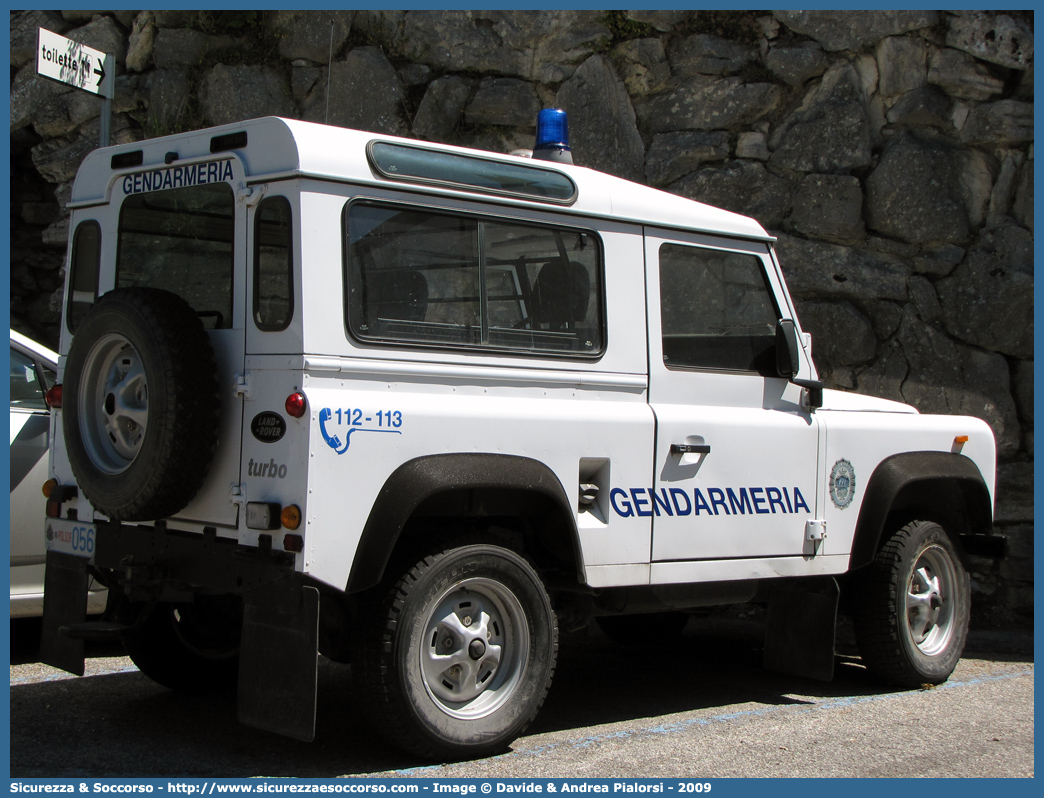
x,y
140,408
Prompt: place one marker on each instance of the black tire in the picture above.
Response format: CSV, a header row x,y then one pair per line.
x,y
191,647
141,410
459,656
640,630
913,603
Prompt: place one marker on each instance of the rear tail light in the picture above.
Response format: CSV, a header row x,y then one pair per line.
x,y
294,543
291,516
295,404
53,397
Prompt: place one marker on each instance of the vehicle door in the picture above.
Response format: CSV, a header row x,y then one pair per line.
x,y
183,229
735,472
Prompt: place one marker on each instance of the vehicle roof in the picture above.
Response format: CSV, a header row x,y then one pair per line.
x,y
288,147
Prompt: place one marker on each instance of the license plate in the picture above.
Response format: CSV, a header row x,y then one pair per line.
x,y
70,537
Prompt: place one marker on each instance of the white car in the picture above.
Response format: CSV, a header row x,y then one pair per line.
x,y
33,369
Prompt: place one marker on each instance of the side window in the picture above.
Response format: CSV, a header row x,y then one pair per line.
x,y
26,388
717,311
417,276
181,240
84,263
273,265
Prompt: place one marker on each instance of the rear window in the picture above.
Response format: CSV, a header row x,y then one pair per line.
x,y
418,276
181,240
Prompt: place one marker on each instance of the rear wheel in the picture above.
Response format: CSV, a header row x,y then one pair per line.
x,y
911,623
459,656
187,647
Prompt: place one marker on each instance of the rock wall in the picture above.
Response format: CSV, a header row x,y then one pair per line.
x,y
891,152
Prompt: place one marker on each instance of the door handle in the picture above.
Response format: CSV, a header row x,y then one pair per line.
x,y
690,448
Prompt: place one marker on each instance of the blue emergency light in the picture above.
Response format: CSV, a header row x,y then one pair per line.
x,y
552,136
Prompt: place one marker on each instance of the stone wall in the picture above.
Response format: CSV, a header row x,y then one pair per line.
x,y
891,152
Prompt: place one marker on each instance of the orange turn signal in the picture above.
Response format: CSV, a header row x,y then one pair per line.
x,y
961,439
291,516
48,487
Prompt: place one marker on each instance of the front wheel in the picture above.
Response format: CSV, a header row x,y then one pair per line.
x,y
460,654
912,620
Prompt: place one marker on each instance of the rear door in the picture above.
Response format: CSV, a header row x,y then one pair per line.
x,y
182,229
736,453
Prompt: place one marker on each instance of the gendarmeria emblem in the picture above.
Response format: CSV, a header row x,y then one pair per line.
x,y
842,484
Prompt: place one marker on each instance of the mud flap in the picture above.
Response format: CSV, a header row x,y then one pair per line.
x,y
800,630
279,659
65,605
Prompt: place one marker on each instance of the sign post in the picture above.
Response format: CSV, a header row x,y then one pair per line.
x,y
76,64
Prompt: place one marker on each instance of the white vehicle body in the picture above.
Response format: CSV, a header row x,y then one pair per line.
x,y
33,370
458,401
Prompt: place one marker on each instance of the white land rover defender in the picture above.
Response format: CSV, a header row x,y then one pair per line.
x,y
418,407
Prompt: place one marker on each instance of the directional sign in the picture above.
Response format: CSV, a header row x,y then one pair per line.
x,y
66,61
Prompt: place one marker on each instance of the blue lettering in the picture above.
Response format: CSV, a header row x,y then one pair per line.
x,y
675,494
741,504
799,501
627,510
228,171
659,502
128,184
774,498
212,172
638,502
758,500
717,498
701,503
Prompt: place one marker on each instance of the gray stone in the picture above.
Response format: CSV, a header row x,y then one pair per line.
x,y
545,47
885,376
497,139
1022,209
925,299
26,89
1014,493
311,35
752,144
854,30
796,65
184,47
602,126
673,155
365,93
23,33
885,316
415,74
1023,389
988,300
829,207
902,64
704,54
663,21
231,93
841,334
818,270
978,173
170,97
745,187
993,37
1004,189
915,193
442,109
704,103
102,34
944,377
141,41
643,66
77,15
830,132
174,19
503,101
58,159
303,80
961,76
924,107
1004,122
